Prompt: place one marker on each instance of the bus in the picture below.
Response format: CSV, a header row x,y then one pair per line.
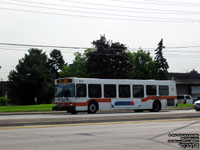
x,y
92,94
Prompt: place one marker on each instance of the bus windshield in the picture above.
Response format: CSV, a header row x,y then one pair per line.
x,y
67,90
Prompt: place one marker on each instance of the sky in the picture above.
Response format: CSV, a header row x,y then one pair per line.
x,y
76,23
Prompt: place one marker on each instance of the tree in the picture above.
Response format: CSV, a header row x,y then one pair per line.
x,y
161,64
143,65
32,80
56,61
109,60
77,68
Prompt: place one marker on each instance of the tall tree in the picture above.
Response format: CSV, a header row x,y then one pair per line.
x,y
109,60
161,64
56,61
143,65
77,68
32,79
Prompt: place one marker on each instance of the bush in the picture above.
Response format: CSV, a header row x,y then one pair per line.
x,y
4,101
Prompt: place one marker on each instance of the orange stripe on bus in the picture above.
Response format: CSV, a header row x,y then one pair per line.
x,y
99,100
86,103
158,97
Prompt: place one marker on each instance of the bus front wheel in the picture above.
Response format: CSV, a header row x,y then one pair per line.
x,y
92,107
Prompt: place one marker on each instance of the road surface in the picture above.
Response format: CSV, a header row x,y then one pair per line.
x,y
66,118
135,135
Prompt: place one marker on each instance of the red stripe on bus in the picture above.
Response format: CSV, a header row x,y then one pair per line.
x,y
158,97
86,103
99,100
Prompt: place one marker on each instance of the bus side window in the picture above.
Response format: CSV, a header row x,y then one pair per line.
x,y
81,90
124,91
138,91
151,89
110,91
94,90
163,90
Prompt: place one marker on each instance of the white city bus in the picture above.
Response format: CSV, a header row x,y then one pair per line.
x,y
90,95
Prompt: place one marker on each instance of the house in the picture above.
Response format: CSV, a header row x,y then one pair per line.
x,y
186,83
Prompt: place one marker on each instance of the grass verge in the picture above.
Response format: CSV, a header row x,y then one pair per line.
x,y
180,105
24,108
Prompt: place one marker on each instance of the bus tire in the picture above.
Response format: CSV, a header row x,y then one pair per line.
x,y
73,112
156,106
138,110
197,109
92,107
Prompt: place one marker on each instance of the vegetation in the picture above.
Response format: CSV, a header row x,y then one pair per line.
x,y
161,64
109,60
25,108
32,81
77,68
4,101
181,105
143,65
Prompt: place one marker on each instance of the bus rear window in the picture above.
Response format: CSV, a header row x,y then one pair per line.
x,y
151,89
163,90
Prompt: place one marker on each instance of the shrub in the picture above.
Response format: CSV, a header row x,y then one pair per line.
x,y
4,101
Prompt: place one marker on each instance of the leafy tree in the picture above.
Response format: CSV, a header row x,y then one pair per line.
x,y
143,65
109,60
32,79
56,61
161,64
77,68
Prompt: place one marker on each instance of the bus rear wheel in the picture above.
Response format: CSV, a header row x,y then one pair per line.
x,y
92,107
156,106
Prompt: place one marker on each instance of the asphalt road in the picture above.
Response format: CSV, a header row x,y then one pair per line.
x,y
12,119
145,135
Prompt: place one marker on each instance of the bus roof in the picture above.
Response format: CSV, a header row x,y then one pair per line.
x,y
111,81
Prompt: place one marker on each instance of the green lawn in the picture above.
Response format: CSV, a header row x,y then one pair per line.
x,y
180,105
48,107
23,108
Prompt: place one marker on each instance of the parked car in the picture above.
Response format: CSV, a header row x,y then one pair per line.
x,y
186,99
196,98
197,105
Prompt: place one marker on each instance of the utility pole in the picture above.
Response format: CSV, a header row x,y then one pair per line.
x,y
1,78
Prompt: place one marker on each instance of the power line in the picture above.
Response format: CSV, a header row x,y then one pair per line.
x,y
94,17
159,3
49,46
107,5
8,49
115,10
174,2
74,47
118,15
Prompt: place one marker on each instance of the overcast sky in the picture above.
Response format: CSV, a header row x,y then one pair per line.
x,y
76,23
